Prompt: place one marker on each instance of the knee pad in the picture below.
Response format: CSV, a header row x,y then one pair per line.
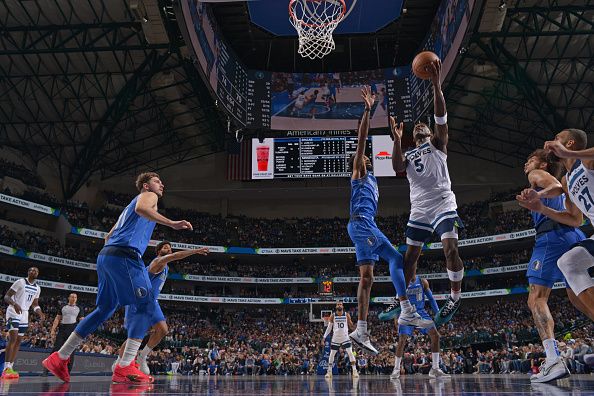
x,y
456,276
574,265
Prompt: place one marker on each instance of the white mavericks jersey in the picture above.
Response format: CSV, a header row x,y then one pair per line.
x,y
428,176
25,293
580,185
340,329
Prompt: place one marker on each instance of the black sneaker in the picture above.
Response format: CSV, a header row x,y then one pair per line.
x,y
446,312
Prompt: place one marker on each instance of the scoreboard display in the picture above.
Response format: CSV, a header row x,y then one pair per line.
x,y
317,157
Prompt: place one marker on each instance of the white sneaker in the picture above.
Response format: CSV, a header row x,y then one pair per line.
x,y
114,364
414,319
355,373
143,366
395,374
437,373
328,374
550,372
362,340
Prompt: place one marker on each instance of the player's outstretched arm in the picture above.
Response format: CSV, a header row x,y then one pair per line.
x,y
571,216
359,169
146,206
398,161
440,137
549,185
159,263
586,156
429,294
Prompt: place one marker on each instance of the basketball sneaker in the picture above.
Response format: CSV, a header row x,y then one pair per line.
x,y
362,341
550,372
437,373
414,319
446,312
328,374
395,373
10,374
130,375
143,366
57,366
392,311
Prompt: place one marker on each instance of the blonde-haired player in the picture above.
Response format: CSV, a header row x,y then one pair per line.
x,y
339,324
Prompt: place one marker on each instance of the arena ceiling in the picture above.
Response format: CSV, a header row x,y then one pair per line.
x,y
106,87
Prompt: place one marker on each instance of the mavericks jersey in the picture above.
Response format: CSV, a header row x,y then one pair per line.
x,y
416,294
24,295
340,329
158,281
427,174
364,196
555,203
580,185
132,230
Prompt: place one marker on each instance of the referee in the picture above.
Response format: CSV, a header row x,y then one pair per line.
x,y
66,320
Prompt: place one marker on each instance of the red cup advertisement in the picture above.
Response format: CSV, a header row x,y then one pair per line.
x,y
263,159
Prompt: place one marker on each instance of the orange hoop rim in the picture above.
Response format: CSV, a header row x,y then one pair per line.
x,y
313,25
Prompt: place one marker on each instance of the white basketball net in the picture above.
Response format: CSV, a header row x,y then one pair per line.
x,y
315,21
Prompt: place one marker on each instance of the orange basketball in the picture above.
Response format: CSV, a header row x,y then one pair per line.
x,y
421,61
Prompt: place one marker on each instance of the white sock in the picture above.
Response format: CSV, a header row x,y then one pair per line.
x,y
130,352
70,346
7,365
362,326
397,363
406,306
435,360
455,295
550,347
145,352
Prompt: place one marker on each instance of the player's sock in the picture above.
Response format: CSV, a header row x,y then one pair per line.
x,y
550,347
7,365
406,306
435,360
362,326
130,352
455,295
397,362
70,346
143,354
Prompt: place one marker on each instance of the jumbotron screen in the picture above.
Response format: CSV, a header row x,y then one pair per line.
x,y
316,157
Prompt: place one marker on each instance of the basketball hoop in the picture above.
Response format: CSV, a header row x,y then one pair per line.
x,y
315,21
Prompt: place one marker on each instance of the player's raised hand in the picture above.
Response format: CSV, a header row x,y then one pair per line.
x,y
202,251
368,97
397,129
434,68
555,147
528,194
535,205
182,225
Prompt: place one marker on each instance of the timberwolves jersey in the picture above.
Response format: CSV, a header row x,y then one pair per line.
x,y
131,230
416,294
158,281
580,185
427,173
364,196
555,203
340,330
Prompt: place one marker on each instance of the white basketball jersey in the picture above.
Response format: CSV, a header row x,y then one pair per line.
x,y
25,293
427,173
580,185
340,329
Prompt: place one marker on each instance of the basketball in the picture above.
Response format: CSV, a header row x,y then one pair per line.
x,y
421,61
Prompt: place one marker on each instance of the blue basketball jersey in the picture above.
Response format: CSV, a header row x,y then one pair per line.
x,y
364,196
158,281
131,230
416,294
555,203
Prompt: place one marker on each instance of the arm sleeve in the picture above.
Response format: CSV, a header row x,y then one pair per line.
x,y
432,301
328,330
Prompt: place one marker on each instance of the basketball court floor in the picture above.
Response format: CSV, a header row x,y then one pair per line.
x,y
302,385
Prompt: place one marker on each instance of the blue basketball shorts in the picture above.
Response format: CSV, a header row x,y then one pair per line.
x,y
408,330
548,247
368,240
132,314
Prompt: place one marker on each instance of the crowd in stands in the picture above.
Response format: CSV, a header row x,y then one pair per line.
x,y
219,341
20,172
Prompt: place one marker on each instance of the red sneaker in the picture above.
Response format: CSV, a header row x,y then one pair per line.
x,y
57,366
10,374
127,389
130,375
